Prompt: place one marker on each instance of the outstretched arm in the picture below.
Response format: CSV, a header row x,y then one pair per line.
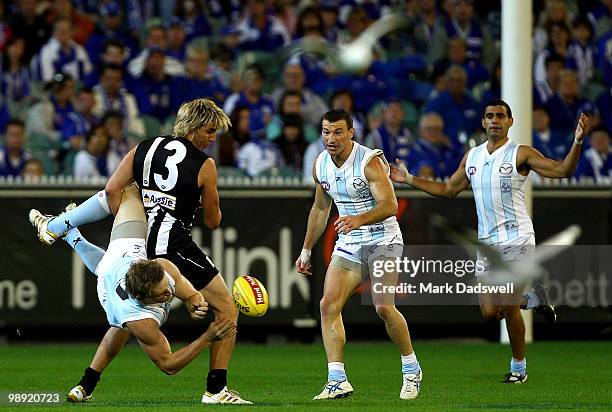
x,y
184,290
155,344
530,159
456,184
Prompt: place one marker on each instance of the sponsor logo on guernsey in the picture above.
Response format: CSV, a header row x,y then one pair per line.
x,y
257,293
325,186
152,198
505,168
472,170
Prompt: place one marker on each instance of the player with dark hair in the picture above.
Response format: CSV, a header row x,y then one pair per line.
x,y
498,170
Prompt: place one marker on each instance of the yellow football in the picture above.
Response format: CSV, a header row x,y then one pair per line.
x,y
250,296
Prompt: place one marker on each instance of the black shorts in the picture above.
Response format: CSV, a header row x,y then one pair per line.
x,y
193,264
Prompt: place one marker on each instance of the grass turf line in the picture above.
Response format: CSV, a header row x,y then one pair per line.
x,y
562,375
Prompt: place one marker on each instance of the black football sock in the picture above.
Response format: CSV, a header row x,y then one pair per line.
x,y
90,380
216,380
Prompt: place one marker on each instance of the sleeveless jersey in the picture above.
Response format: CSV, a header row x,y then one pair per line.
x,y
166,170
349,187
119,306
499,194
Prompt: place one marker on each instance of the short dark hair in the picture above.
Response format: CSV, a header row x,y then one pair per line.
x,y
600,128
142,276
335,115
111,66
113,43
497,102
92,131
553,58
112,114
15,122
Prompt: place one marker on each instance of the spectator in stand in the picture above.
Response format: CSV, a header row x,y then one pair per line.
x,y
313,107
551,143
153,89
567,104
192,19
62,54
13,155
357,21
457,107
251,96
493,89
345,100
457,54
33,169
596,161
290,103
559,38
156,39
15,81
316,67
292,142
113,52
198,81
582,51
222,62
391,136
77,123
30,26
108,29
177,43
432,155
82,25
226,148
554,12
545,89
257,30
462,23
426,21
112,122
96,160
47,116
604,52
601,18
331,25
604,104
110,95
258,156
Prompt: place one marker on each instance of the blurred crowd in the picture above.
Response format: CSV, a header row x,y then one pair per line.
x,y
83,81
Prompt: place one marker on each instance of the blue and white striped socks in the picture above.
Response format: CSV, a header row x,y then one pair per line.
x,y
518,366
335,371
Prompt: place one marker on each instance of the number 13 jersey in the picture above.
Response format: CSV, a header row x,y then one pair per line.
x,y
166,170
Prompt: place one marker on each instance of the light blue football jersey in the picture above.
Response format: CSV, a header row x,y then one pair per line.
x,y
119,306
349,188
499,194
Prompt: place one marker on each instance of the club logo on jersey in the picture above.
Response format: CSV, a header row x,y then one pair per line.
x,y
472,170
325,186
362,188
359,183
152,198
506,185
505,168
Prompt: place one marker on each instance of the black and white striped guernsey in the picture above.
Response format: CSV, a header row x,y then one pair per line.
x,y
166,170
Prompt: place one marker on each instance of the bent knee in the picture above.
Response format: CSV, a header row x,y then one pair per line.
x,y
329,307
491,313
385,311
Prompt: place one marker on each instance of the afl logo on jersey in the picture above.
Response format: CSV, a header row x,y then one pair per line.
x,y
472,170
325,186
505,168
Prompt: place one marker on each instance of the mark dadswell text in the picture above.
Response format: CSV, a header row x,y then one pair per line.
x,y
447,288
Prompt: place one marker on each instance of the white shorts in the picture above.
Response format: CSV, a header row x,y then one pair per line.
x,y
516,249
360,253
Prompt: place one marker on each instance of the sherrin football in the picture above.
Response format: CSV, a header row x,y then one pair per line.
x,y
250,296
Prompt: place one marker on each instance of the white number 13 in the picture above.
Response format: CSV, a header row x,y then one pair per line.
x,y
171,165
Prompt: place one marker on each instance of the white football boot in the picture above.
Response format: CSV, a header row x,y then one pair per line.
x,y
412,385
77,395
335,390
225,396
40,222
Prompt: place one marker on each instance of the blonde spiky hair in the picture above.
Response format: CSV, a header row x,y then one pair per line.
x,y
197,113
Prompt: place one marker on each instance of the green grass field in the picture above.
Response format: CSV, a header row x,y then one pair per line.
x,y
562,375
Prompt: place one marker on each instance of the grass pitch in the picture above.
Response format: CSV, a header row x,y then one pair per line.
x,y
562,375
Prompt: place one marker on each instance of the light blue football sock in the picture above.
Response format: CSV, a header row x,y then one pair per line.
x,y
89,253
335,371
93,209
518,366
410,364
532,299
